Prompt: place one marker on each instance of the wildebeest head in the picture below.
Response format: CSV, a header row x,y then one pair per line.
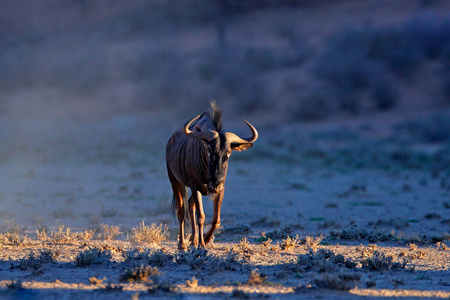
x,y
219,146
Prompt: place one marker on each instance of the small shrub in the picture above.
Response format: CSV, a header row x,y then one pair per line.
x,y
322,261
412,247
61,235
238,229
35,262
92,256
243,246
160,259
193,283
339,282
313,242
281,232
366,251
14,285
84,236
231,262
195,258
380,262
289,243
140,274
13,239
107,233
145,234
442,246
96,281
356,234
256,279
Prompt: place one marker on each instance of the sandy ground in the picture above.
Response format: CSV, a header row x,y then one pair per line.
x,y
351,183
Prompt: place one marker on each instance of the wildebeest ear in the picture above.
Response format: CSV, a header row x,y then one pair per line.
x,y
241,147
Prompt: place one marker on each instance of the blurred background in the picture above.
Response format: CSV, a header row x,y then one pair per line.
x,y
91,90
285,60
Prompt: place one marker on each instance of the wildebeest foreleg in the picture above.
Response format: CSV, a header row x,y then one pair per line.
x,y
200,218
215,223
192,207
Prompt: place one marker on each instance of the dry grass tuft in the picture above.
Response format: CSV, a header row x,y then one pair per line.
x,y
256,279
141,274
412,247
107,233
242,247
61,235
313,242
366,251
148,234
14,239
442,246
96,281
289,243
193,283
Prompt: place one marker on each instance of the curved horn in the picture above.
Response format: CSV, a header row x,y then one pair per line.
x,y
203,135
233,138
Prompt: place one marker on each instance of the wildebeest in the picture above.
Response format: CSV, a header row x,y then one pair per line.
x,y
197,157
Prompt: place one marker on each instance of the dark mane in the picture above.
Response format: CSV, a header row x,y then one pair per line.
x,y
215,114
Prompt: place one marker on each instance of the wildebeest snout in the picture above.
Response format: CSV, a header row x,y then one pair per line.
x,y
213,188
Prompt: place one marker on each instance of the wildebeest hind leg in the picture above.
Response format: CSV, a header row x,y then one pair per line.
x,y
179,192
180,213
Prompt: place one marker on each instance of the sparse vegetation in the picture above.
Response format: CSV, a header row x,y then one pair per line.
x,y
34,262
92,256
313,242
141,274
148,234
321,261
289,243
107,232
339,282
256,278
380,262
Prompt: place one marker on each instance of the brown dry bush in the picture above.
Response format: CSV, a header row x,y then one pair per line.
x,y
148,234
92,256
380,262
256,278
140,274
289,243
238,229
36,261
313,242
96,281
366,251
13,239
107,233
339,282
321,261
195,258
